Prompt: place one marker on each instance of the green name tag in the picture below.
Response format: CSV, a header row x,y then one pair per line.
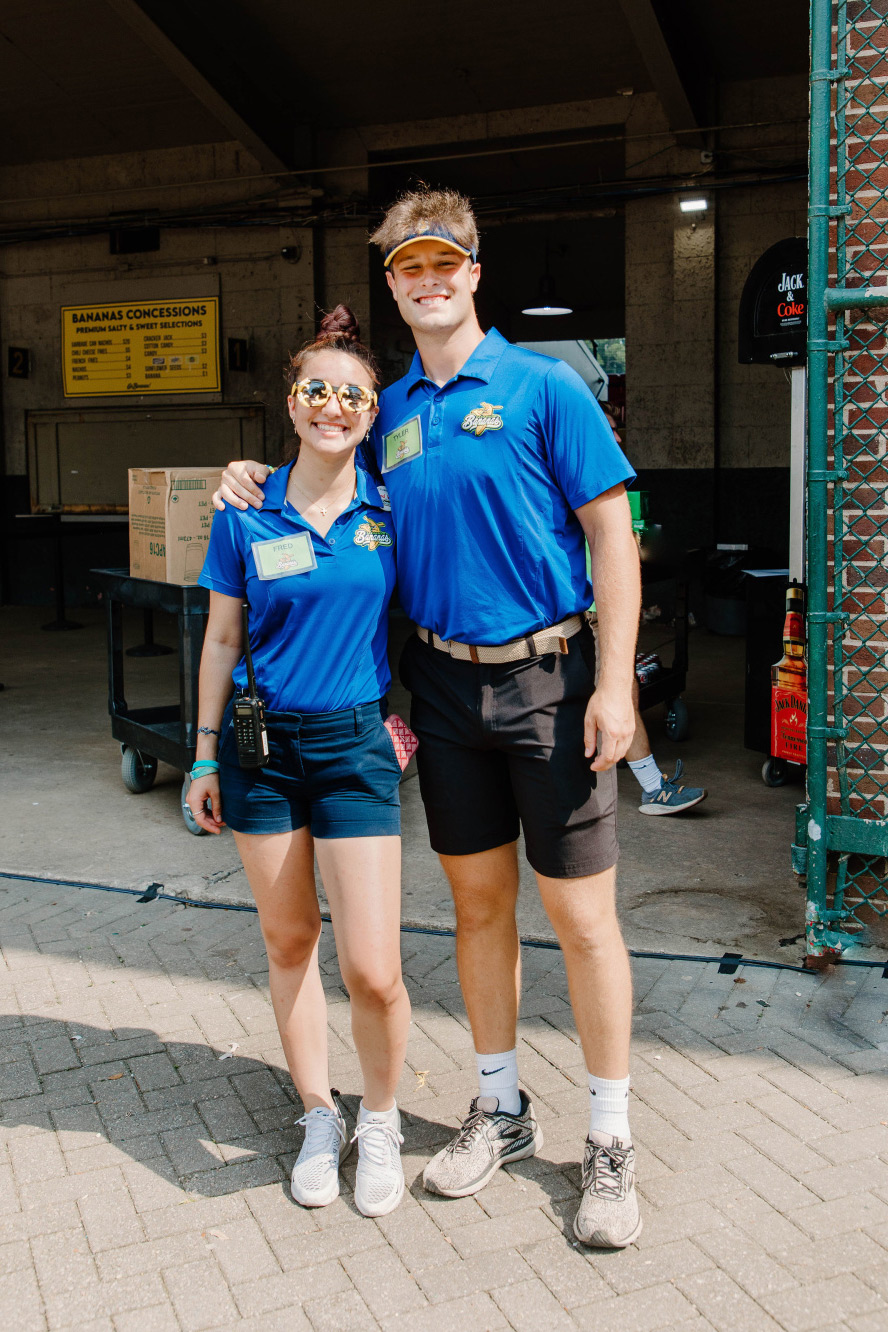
x,y
402,445
283,556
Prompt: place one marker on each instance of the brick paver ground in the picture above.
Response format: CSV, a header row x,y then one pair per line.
x,y
147,1135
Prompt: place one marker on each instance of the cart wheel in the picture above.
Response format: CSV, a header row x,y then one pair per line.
x,y
775,772
138,770
678,722
190,822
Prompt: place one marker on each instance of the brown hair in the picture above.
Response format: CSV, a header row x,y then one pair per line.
x,y
339,331
445,208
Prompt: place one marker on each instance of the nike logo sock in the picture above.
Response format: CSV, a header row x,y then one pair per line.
x,y
498,1076
609,1107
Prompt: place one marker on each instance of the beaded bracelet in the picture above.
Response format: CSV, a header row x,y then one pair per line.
x,y
204,766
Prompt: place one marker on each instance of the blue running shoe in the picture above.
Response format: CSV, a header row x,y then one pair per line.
x,y
671,798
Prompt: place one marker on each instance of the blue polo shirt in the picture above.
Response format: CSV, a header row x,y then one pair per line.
x,y
318,638
489,546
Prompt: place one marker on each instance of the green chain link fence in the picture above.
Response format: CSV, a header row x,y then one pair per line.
x,y
843,830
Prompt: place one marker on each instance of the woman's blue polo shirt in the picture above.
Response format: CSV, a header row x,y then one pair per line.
x,y
489,545
318,638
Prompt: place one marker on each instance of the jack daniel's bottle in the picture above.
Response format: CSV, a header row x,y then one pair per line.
x,y
792,669
789,684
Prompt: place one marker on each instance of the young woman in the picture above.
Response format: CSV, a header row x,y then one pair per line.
x,y
317,566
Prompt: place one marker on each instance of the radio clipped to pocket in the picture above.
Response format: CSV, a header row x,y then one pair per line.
x,y
248,716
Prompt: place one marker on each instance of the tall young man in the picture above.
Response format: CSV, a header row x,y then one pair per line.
x,y
500,465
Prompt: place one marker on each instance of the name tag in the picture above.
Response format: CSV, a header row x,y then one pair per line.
x,y
283,556
402,445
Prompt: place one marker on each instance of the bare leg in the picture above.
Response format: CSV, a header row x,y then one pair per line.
x,y
640,744
362,876
280,868
583,915
485,893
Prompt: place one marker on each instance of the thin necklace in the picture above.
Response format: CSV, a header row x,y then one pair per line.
x,y
313,503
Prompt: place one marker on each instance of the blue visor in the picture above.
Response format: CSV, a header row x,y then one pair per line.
x,y
431,231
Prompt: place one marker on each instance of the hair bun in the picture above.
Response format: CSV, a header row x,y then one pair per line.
x,y
340,323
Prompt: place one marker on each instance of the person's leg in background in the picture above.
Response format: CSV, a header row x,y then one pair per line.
x,y
660,794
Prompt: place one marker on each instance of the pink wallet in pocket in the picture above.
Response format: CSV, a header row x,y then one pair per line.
x,y
405,742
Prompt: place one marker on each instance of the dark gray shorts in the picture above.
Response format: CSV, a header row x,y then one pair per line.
x,y
501,748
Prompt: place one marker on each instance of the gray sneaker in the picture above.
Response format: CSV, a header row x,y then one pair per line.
x,y
608,1217
488,1139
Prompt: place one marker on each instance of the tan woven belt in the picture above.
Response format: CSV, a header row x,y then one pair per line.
x,y
553,639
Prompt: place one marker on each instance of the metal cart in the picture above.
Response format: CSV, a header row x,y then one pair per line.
x,y
667,685
148,735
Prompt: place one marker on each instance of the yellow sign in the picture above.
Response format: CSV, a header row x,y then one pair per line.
x,y
130,348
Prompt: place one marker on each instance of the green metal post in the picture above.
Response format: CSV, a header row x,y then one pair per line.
x,y
818,418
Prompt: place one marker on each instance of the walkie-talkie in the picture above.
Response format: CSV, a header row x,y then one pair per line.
x,y
249,713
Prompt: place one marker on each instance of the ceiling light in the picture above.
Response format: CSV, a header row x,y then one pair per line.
x,y
548,304
693,205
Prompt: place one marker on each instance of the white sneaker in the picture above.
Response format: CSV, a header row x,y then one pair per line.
x,y
379,1182
315,1178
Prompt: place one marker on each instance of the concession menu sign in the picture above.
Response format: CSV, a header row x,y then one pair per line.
x,y
133,348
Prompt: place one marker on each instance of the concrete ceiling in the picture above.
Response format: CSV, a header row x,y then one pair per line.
x,y
116,76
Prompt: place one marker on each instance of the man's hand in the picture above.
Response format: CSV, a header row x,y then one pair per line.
x,y
240,484
609,727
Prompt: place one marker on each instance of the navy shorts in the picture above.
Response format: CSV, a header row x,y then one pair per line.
x,y
501,749
335,773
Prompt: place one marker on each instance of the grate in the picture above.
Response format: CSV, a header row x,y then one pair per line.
x,y
847,472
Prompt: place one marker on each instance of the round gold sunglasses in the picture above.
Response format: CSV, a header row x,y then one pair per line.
x,y
318,392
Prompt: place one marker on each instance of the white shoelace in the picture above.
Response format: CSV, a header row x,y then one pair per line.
x,y
321,1132
381,1142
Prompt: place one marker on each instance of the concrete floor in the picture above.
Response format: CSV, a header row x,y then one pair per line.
x,y
717,878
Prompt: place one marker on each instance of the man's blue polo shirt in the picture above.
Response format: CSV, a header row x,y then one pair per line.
x,y
318,638
489,546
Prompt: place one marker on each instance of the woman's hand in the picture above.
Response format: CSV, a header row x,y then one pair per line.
x,y
204,790
240,484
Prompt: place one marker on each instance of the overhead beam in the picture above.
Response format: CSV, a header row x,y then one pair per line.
x,y
228,93
654,51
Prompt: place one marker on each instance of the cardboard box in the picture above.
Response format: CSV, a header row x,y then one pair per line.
x,y
171,513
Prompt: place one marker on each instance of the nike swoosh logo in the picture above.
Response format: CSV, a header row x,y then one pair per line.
x,y
489,1072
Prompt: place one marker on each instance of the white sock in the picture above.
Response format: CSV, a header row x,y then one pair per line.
x,y
383,1116
498,1076
647,774
609,1107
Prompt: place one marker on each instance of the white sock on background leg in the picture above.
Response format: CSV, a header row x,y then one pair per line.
x,y
609,1107
498,1076
647,774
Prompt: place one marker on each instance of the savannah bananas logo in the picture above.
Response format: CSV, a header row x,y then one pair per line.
x,y
485,417
372,535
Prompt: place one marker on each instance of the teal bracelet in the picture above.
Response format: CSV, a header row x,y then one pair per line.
x,y
204,766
